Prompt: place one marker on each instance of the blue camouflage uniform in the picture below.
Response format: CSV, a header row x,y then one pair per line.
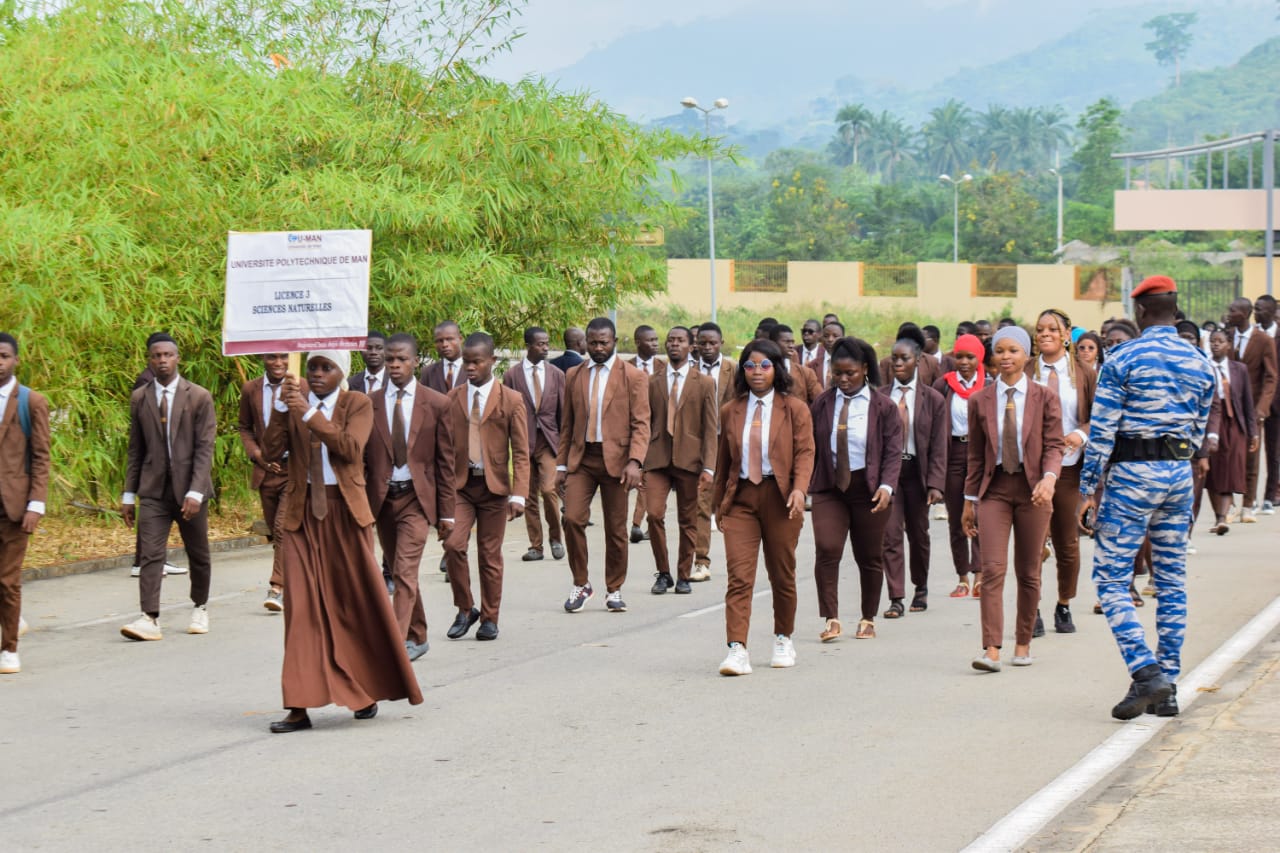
x,y
1157,385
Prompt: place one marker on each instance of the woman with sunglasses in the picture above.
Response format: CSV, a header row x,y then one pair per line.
x,y
1089,351
763,468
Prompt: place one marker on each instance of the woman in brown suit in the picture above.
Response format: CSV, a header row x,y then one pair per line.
x,y
341,642
1233,430
1015,459
957,387
763,467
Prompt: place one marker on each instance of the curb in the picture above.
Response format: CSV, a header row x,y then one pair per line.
x,y
125,561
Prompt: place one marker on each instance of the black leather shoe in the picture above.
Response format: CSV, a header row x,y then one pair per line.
x,y
283,727
1038,630
1149,687
557,550
1062,620
683,587
487,631
462,624
661,583
532,555
367,713
1168,707
444,566
637,535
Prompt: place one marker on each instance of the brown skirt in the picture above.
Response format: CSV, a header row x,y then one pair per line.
x,y
1227,466
341,643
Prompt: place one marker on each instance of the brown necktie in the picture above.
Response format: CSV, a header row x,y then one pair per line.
x,y
165,410
905,414
319,505
1226,392
673,399
473,432
399,437
1009,441
1053,379
448,376
275,396
537,388
593,419
755,448
842,447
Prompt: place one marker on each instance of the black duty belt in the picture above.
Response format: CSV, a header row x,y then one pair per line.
x,y
395,488
1165,448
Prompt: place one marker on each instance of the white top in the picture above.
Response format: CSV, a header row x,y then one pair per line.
x,y
1242,340
1019,408
321,408
645,364
374,381
10,388
1070,399
603,371
457,369
712,370
909,440
672,373
529,369
480,392
856,434
766,418
960,408
400,474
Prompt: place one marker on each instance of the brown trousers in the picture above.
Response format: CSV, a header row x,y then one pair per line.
x,y
1006,508
702,530
909,512
155,518
658,486
642,505
1064,530
579,490
13,548
1271,447
758,518
1252,464
270,493
965,552
402,532
487,512
542,481
839,515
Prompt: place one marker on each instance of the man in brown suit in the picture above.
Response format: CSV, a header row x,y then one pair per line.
x,y
446,372
257,398
542,386
721,371
24,482
1264,312
172,428
409,465
804,382
682,448
646,358
605,439
491,435
1255,348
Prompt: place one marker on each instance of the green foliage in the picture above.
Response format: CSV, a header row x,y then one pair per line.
x,y
1172,40
1001,222
136,138
1099,175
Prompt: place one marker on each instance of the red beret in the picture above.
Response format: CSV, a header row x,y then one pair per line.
x,y
1155,284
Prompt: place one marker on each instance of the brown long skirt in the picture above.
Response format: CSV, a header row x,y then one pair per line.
x,y
1227,466
341,643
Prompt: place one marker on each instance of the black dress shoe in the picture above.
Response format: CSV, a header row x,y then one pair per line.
x,y
637,535
1168,707
444,565
487,631
1149,687
557,550
661,583
367,713
1038,630
1062,620
683,587
532,555
462,624
283,727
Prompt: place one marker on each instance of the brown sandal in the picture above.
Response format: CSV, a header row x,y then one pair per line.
x,y
977,588
831,632
961,590
866,630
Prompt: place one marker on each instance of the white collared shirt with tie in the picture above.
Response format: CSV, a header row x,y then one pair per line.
x,y
766,418
1070,400
908,440
1019,409
480,392
270,394
374,381
401,474
712,370
599,373
529,370
960,409
856,434
162,391
9,390
645,364
319,408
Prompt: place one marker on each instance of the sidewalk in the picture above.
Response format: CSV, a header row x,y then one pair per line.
x,y
1209,781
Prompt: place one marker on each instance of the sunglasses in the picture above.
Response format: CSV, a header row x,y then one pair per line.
x,y
763,364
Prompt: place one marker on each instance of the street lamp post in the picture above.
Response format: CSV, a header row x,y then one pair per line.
x,y
718,104
955,211
1056,171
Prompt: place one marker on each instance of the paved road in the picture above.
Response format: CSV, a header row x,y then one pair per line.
x,y
588,731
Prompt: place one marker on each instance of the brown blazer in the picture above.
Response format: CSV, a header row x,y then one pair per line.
x,y
504,434
928,371
625,425
884,442
790,448
345,432
1260,359
17,487
1042,444
931,425
253,427
819,367
728,370
430,443
1241,402
545,421
1086,387
433,377
693,447
193,429
804,382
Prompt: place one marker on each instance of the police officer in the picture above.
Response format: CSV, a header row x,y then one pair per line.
x,y
1149,418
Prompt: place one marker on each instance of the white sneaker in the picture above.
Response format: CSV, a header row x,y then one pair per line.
x,y
9,663
701,572
939,512
1233,515
1268,508
23,627
169,569
784,652
274,600
199,621
737,662
142,628
1191,549
1247,516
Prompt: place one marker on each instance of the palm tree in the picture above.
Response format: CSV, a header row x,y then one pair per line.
x,y
852,122
946,137
1023,137
890,141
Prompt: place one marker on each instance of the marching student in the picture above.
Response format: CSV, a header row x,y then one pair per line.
x,y
409,461
832,331
1089,351
646,358
858,434
542,386
1264,313
491,474
1257,351
720,371
811,341
956,388
172,429
926,430
24,483
804,383
1015,459
374,376
446,372
269,478
930,369
575,347
682,448
763,466
342,645
1232,432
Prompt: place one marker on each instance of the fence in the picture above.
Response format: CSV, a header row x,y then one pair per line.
x,y
1207,298
999,280
888,280
760,276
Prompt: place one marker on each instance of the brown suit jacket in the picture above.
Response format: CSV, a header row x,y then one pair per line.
x,y
931,424
928,371
819,367
193,429
790,448
504,434
253,427
1260,359
430,442
345,432
433,377
545,421
693,447
625,425
17,487
884,442
1042,444
1241,402
1086,387
804,383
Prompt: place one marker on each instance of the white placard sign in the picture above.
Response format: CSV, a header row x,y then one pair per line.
x,y
296,291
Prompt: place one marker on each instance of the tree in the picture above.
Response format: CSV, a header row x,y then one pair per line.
x,y
1024,137
946,138
891,144
1100,176
1171,40
1002,222
852,122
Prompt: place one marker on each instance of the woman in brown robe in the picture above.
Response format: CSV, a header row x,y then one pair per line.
x,y
341,643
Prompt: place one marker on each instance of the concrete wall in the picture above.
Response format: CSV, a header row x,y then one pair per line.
x,y
1254,282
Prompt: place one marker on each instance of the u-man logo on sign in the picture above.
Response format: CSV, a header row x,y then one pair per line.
x,y
305,241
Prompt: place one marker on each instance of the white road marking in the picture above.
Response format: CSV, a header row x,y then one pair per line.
x,y
716,607
1017,827
117,616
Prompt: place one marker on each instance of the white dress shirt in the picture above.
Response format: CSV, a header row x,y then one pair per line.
x,y
480,392
645,364
908,440
1270,330
529,369
1070,399
1019,408
712,370
374,381
1242,340
10,389
766,418
856,434
402,473
171,390
330,479
604,370
960,409
267,401
672,373
808,355
457,370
